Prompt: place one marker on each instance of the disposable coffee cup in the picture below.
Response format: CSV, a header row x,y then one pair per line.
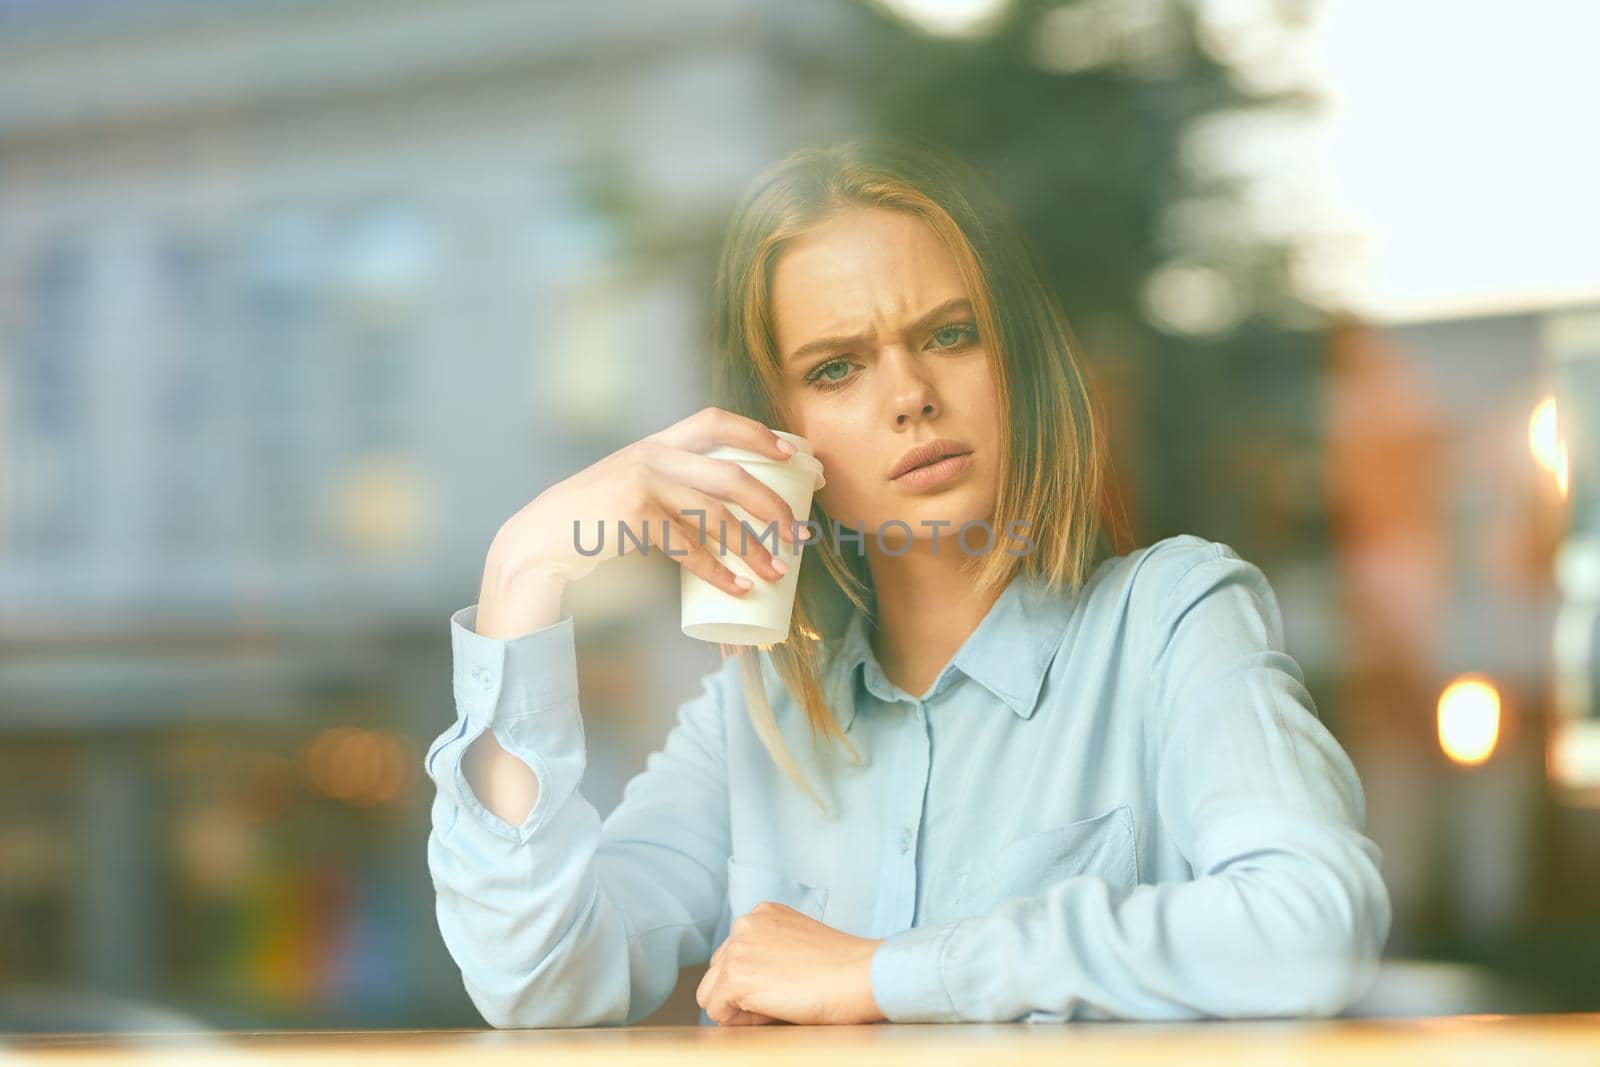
x,y
761,616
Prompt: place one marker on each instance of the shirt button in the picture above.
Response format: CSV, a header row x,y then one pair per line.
x,y
481,676
905,840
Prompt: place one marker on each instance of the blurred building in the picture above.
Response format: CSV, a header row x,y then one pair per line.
x,y
298,302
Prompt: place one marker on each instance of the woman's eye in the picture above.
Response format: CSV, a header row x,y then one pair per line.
x,y
957,332
835,372
821,374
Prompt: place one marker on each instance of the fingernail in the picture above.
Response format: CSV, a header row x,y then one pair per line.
x,y
779,565
785,447
742,582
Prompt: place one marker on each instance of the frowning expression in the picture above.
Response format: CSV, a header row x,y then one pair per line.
x,y
881,352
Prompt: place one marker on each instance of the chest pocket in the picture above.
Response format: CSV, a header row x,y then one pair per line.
x,y
1102,846
749,886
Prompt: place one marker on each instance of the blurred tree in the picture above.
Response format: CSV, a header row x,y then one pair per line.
x,y
1107,126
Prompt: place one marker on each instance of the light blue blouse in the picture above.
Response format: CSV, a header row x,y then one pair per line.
x,y
1114,804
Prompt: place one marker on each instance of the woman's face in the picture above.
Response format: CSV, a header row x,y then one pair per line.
x,y
912,370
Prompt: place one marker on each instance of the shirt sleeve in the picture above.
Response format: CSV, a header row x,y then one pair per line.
x,y
562,920
1286,914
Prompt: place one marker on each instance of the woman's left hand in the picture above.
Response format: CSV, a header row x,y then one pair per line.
x,y
777,965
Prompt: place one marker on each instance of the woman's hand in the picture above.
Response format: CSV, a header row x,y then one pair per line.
x,y
656,479
777,965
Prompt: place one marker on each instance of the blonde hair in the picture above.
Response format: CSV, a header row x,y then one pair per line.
x,y
1051,460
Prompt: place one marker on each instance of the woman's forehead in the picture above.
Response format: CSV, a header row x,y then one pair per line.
x,y
856,270
864,242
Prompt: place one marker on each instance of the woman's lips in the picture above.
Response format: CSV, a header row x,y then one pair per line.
x,y
932,474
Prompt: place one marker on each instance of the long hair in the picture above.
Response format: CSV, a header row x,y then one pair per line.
x,y
1051,464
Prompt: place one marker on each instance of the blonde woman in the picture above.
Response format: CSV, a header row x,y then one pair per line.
x,y
988,776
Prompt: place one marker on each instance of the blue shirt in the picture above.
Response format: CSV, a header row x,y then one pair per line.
x,y
1115,803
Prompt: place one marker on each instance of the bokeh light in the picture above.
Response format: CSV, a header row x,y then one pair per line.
x,y
361,767
1469,719
1544,434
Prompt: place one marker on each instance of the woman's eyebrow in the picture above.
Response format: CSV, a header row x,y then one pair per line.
x,y
828,344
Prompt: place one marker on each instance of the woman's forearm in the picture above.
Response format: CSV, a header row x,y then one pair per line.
x,y
539,917
516,598
509,605
501,782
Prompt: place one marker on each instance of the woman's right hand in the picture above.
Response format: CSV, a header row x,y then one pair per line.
x,y
656,479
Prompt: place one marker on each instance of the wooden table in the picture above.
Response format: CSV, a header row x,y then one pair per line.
x,y
1455,1040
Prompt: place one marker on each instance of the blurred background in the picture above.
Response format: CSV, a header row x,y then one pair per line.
x,y
299,301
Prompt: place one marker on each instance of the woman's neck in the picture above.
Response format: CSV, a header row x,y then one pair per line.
x,y
926,607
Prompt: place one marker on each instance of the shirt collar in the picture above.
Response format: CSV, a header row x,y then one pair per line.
x,y
1008,653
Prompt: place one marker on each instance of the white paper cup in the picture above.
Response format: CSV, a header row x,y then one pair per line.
x,y
761,616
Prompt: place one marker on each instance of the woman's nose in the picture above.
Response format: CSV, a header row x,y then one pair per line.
x,y
913,390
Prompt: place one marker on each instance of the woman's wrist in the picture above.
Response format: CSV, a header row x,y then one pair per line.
x,y
517,598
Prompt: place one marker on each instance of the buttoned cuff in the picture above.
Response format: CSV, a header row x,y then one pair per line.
x,y
496,679
525,689
908,975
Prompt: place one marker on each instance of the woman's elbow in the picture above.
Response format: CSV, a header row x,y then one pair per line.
x,y
1335,965
546,1001
1310,941
1326,984
507,1007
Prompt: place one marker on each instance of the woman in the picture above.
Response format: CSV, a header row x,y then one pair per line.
x,y
1018,784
